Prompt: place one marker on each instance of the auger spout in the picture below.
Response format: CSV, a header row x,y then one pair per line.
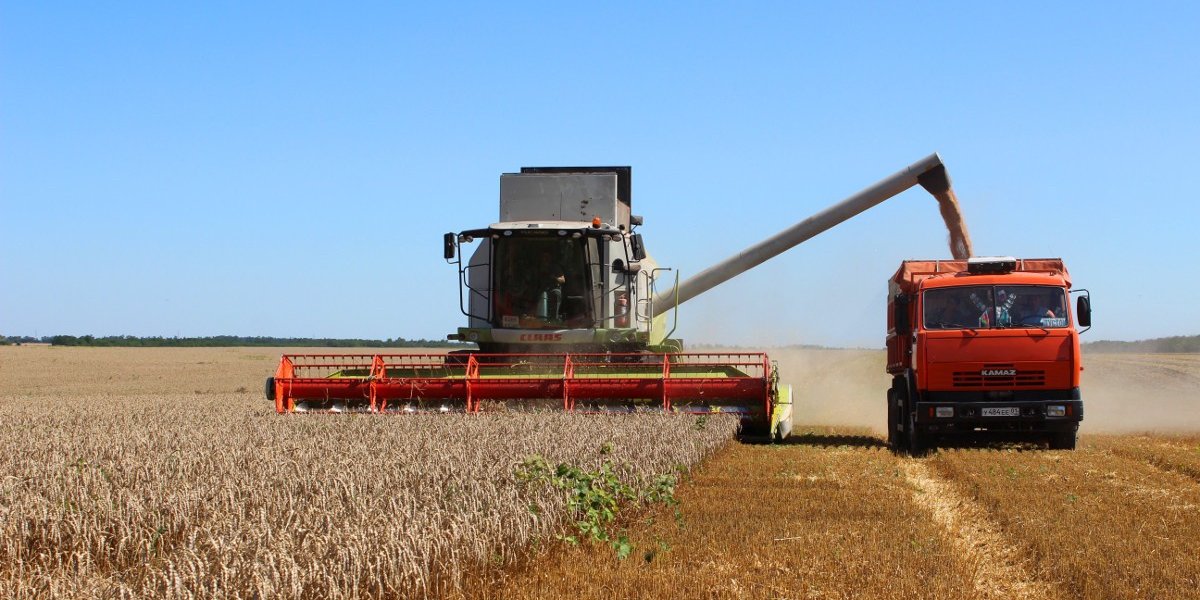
x,y
929,172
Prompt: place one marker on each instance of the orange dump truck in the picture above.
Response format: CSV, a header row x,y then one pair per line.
x,y
983,349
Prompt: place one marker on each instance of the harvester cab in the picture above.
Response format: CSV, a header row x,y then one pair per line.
x,y
562,270
560,290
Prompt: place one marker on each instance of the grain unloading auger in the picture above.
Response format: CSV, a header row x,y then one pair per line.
x,y
560,300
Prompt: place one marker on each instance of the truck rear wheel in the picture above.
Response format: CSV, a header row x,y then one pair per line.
x,y
893,421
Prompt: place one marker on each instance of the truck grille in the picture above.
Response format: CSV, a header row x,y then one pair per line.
x,y
1002,377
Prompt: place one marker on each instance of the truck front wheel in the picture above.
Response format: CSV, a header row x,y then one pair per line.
x,y
916,442
1063,440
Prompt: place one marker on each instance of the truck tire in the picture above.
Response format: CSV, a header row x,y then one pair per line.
x,y
1063,440
916,442
895,421
269,388
891,420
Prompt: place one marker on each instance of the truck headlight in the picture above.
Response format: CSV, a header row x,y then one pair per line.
x,y
1056,410
944,412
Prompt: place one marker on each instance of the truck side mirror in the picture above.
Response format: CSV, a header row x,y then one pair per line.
x,y
1083,311
635,245
900,315
448,248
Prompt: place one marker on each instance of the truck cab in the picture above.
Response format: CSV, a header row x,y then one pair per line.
x,y
982,349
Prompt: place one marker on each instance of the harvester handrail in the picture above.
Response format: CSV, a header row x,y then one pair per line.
x,y
329,355
332,364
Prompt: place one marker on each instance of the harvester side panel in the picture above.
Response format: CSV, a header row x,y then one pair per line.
x,y
560,197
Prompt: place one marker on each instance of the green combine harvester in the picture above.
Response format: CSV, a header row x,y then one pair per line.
x,y
562,300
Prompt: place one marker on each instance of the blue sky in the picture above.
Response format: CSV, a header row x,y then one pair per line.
x,y
288,168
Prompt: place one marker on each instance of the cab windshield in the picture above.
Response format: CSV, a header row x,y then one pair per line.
x,y
542,282
995,307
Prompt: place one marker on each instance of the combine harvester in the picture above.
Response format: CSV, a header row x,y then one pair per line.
x,y
561,300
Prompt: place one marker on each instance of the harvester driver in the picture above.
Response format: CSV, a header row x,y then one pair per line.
x,y
544,287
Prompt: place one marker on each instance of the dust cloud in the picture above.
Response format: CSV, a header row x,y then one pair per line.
x,y
1122,393
960,240
1135,393
835,387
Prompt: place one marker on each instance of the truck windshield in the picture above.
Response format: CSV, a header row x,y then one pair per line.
x,y
542,282
984,307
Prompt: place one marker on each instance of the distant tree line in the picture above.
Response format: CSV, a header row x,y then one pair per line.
x,y
1175,344
225,341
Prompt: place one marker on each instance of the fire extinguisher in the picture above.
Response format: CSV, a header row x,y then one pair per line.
x,y
622,311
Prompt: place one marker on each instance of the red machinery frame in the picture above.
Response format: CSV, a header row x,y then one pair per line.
x,y
379,379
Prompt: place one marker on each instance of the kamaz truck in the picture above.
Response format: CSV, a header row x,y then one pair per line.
x,y
984,349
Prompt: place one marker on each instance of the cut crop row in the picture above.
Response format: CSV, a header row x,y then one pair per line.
x,y
1177,453
1097,525
820,516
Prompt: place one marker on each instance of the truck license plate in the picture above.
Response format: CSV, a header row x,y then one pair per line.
x,y
1003,411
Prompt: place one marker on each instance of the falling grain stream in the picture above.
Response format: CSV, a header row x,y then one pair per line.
x,y
956,225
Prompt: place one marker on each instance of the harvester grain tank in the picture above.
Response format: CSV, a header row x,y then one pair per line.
x,y
560,298
982,349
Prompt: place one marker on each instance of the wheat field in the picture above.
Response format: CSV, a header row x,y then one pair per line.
x,y
163,473
149,473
